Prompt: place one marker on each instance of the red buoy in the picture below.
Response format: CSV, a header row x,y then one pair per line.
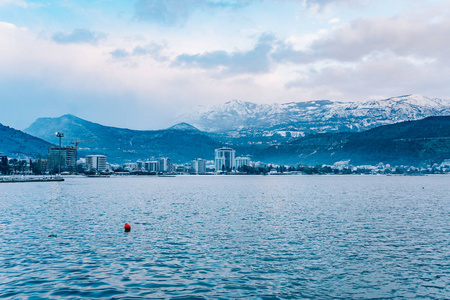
x,y
127,227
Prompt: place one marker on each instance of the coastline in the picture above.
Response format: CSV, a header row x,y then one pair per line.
x,y
22,178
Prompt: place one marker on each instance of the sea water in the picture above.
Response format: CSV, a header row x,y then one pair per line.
x,y
222,237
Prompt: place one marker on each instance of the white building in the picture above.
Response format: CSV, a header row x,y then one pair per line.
x,y
445,163
242,161
140,165
131,167
96,162
165,164
225,159
152,166
198,165
260,164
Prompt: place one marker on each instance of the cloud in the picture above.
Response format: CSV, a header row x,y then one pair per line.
x,y
119,54
256,60
20,3
79,35
403,37
380,75
379,55
176,12
412,39
153,50
334,20
53,80
320,5
365,38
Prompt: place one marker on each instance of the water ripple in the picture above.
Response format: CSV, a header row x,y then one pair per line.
x,y
203,237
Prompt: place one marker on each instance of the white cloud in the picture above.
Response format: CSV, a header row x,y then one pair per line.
x,y
20,3
334,20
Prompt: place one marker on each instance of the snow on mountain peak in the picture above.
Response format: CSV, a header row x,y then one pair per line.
x,y
317,115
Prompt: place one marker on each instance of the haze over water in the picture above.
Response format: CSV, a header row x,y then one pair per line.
x,y
359,237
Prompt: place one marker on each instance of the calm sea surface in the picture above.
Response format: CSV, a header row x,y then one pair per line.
x,y
263,237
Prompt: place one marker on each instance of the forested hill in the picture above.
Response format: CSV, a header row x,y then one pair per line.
x,y
181,142
412,142
16,143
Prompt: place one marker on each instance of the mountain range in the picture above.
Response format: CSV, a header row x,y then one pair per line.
x,y
314,132
181,142
288,121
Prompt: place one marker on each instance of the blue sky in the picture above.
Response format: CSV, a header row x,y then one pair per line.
x,y
141,63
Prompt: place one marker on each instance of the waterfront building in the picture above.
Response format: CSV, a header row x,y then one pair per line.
x,y
131,167
242,161
165,164
260,164
181,169
96,163
64,157
198,166
140,165
114,166
224,159
3,164
3,160
152,166
445,163
40,165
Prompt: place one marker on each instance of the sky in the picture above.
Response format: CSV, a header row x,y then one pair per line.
x,y
141,63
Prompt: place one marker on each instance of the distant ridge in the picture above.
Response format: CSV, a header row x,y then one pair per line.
x,y
183,126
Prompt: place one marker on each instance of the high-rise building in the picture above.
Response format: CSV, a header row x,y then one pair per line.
x,y
64,158
242,161
224,159
198,166
96,163
165,164
152,166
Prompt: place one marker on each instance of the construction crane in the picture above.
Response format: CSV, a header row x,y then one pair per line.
x,y
76,152
79,142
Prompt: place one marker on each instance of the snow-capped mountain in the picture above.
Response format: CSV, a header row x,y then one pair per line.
x,y
239,119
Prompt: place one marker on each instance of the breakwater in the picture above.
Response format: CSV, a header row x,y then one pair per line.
x,y
22,178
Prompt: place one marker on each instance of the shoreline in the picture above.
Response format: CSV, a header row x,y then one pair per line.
x,y
11,179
